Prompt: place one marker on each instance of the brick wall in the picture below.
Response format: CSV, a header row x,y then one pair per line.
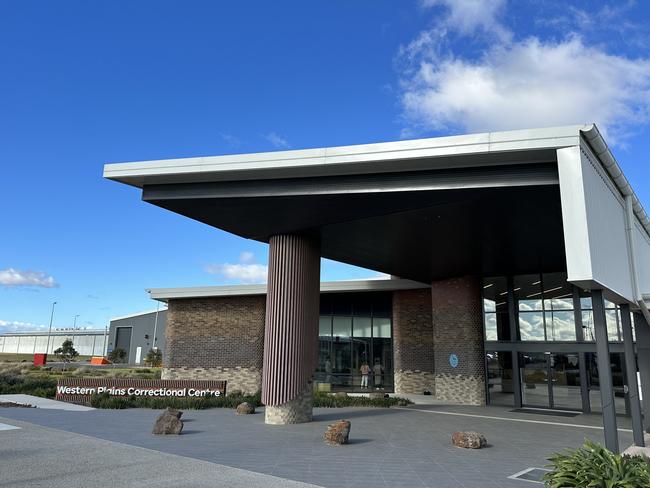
x,y
216,338
458,329
413,341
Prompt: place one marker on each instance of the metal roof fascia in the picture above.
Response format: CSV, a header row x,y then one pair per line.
x,y
164,294
300,162
597,143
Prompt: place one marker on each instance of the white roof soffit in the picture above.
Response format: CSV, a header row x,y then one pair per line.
x,y
427,153
599,146
164,294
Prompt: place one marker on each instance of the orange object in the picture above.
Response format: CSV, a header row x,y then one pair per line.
x,y
99,360
40,359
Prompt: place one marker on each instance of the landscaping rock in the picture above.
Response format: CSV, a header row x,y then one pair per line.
x,y
176,413
468,440
637,451
376,395
14,404
341,394
168,423
245,408
337,433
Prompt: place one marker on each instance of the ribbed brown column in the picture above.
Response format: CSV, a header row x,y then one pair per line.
x,y
291,329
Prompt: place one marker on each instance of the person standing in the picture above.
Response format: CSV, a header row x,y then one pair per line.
x,y
365,373
377,370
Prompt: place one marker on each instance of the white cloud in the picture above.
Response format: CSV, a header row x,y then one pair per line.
x,y
246,271
246,257
520,84
469,16
229,139
11,277
277,140
15,326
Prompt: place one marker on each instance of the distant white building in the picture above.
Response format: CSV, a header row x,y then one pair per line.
x,y
87,342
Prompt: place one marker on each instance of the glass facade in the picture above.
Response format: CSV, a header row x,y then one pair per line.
x,y
540,349
355,329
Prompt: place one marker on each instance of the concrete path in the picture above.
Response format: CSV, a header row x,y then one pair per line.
x,y
33,457
40,402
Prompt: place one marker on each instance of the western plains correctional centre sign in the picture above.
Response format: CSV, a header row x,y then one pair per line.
x,y
79,390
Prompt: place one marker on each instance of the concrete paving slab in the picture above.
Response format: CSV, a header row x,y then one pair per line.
x,y
386,444
40,402
35,457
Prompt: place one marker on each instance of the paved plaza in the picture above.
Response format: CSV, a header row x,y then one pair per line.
x,y
407,447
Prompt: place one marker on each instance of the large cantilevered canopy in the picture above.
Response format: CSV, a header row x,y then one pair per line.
x,y
421,209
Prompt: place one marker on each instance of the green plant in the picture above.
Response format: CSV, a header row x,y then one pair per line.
x,y
66,352
43,386
594,466
117,355
323,399
104,400
153,358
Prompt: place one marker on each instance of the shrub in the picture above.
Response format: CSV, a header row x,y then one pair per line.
x,y
117,355
594,466
42,386
153,358
322,399
104,400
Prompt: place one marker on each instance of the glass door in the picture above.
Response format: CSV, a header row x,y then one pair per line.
x,y
565,381
551,380
536,391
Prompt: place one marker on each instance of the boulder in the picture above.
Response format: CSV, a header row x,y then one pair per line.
x,y
176,413
337,433
341,394
468,440
637,451
168,422
375,395
245,408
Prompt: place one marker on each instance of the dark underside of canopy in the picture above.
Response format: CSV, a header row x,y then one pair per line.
x,y
423,225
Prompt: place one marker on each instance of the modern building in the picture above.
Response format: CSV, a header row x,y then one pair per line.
x,y
87,342
137,334
533,248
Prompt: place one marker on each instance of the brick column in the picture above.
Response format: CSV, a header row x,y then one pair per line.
x,y
458,330
291,334
413,341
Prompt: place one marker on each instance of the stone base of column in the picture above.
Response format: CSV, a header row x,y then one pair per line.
x,y
296,411
460,388
414,382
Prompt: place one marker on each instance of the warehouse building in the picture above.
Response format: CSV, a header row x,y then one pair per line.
x,y
136,334
530,248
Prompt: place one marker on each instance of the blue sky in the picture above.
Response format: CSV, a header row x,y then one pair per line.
x,y
86,83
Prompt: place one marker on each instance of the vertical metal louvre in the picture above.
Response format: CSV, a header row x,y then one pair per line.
x,y
292,307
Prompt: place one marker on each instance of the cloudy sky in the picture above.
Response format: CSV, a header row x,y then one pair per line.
x,y
86,83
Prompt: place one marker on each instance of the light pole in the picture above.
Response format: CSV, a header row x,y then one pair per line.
x,y
49,332
155,328
74,327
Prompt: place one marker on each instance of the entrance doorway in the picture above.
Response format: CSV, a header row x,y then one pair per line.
x,y
551,380
123,340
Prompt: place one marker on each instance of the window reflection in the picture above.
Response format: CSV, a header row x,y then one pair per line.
x,y
495,309
355,329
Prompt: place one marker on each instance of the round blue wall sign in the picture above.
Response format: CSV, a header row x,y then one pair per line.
x,y
453,360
